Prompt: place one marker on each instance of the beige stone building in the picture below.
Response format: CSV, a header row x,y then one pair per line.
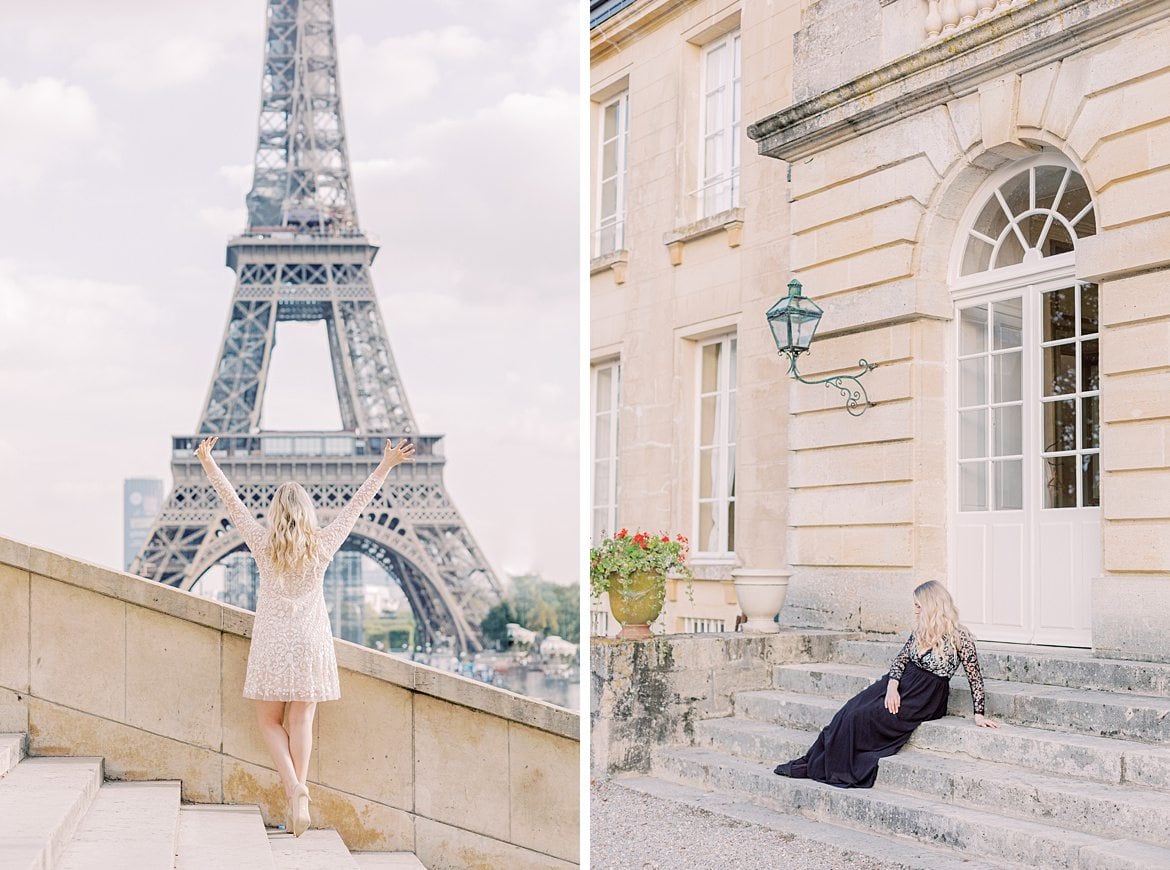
x,y
978,195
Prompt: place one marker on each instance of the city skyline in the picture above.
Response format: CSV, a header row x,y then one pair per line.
x,y
136,147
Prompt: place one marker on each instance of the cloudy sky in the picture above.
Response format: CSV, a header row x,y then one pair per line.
x,y
126,153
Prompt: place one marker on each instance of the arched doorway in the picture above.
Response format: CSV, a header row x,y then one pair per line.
x,y
1025,409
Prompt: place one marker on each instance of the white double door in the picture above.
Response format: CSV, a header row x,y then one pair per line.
x,y
1026,539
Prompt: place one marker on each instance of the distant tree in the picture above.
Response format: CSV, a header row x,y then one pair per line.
x,y
568,604
495,624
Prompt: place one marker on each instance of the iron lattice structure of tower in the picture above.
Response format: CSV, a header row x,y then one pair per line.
x,y
303,257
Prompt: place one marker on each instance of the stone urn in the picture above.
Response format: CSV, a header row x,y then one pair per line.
x,y
761,593
636,602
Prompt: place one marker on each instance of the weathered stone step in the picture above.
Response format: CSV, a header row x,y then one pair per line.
x,y
1103,759
1047,665
42,801
387,861
129,824
902,852
11,752
980,834
315,849
1086,711
214,837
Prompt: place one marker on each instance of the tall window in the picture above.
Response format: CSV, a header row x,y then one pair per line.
x,y
604,392
719,188
716,447
611,216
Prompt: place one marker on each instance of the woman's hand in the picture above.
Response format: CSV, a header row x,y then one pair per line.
x,y
203,451
396,455
983,721
893,699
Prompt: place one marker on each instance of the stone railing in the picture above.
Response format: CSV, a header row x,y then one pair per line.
x,y
944,18
95,662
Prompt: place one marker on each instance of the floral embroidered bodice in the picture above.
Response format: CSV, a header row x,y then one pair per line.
x,y
291,655
944,664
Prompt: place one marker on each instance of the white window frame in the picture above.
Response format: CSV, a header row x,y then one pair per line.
x,y
703,625
610,505
729,130
620,141
725,426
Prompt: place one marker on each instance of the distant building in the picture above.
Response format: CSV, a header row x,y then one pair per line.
x,y
141,501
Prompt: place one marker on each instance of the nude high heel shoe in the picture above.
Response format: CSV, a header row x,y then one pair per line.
x,y
300,814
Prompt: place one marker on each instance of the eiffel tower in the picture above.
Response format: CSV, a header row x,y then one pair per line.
x,y
303,257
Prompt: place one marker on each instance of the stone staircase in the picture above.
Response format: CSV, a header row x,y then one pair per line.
x,y
57,813
1077,776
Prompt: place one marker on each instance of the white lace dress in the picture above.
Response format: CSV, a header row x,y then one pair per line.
x,y
291,657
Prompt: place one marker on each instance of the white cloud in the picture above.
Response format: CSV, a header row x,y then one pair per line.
x,y
138,64
238,176
226,221
45,122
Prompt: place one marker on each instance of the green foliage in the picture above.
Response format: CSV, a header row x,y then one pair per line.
x,y
618,558
540,606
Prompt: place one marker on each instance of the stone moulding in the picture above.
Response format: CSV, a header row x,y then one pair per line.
x,y
616,261
730,221
1020,39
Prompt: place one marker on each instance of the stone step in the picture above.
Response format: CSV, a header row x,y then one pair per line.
x,y
387,861
11,751
1084,711
1047,665
980,834
1101,759
129,824
228,837
42,801
1089,806
315,849
902,852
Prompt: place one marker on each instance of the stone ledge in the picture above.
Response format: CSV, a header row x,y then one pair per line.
x,y
730,221
1019,39
236,621
615,261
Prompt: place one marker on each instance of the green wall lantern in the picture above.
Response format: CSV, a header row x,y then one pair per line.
x,y
793,321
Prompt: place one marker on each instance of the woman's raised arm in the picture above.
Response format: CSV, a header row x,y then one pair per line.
x,y
246,524
333,535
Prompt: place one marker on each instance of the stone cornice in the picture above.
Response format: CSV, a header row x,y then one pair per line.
x,y
1018,40
629,24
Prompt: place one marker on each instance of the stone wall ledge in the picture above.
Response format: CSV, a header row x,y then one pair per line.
x,y
1020,39
237,621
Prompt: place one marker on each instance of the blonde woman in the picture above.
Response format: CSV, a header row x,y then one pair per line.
x,y
291,663
879,720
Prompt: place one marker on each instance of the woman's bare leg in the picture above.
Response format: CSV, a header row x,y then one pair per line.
x,y
269,715
300,735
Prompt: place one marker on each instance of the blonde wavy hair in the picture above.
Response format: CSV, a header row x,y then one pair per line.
x,y
292,528
938,622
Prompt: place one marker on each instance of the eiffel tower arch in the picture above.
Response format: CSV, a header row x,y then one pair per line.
x,y
303,257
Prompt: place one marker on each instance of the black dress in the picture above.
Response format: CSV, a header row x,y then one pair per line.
x,y
847,750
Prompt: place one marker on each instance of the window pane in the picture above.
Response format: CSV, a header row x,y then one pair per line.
x,y
1008,327
1088,309
609,158
604,387
599,522
730,434
973,381
609,197
601,435
708,532
713,116
1058,314
715,67
1032,226
1090,368
1016,192
707,460
1091,480
973,330
1090,423
1058,241
972,434
731,472
711,367
1008,377
1061,481
991,220
1060,426
731,362
601,482
708,408
976,257
731,526
611,120
1009,485
1060,372
1009,431
1048,180
973,486
1075,197
1010,252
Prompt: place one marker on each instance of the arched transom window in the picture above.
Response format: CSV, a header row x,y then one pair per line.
x,y
1038,213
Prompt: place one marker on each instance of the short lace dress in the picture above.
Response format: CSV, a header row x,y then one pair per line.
x,y
291,656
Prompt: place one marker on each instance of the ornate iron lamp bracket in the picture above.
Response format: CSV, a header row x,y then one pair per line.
x,y
856,398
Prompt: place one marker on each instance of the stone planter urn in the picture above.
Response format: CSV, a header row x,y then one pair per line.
x,y
761,593
636,602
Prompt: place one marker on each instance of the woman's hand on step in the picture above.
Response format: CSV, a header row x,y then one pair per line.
x,y
983,721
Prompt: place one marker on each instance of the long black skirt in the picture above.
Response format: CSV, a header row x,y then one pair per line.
x,y
847,750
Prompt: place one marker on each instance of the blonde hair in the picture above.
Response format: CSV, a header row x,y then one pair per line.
x,y
292,528
938,623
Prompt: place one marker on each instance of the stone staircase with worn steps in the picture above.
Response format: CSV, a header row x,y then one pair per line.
x,y
1076,776
58,813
